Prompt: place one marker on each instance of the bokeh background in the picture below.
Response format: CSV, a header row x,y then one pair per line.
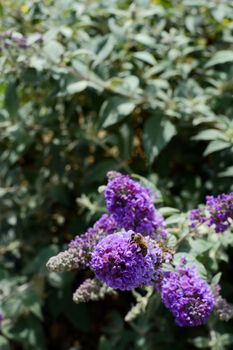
x,y
90,86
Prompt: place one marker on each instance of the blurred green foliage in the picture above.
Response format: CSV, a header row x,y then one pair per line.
x,y
137,86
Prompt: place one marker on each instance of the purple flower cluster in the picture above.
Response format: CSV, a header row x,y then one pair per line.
x,y
78,254
132,207
222,308
123,262
187,296
85,243
15,38
218,212
197,216
103,227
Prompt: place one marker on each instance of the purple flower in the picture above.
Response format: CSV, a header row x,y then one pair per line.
x,y
218,212
78,255
132,206
220,209
196,217
91,289
222,308
187,296
85,243
103,227
126,260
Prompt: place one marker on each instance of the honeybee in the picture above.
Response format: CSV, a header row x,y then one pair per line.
x,y
140,241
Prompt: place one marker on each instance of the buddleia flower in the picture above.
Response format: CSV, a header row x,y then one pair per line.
x,y
217,213
91,290
126,260
78,254
187,296
132,206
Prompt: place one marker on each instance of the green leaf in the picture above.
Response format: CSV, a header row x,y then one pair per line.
x,y
77,87
227,173
201,342
168,211
216,278
210,134
28,331
11,99
156,134
215,146
199,246
220,57
86,73
173,219
106,49
114,110
53,50
4,344
98,171
145,57
38,264
31,301
145,40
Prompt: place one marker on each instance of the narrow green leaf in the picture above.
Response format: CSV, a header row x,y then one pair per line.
x,y
201,342
168,211
215,146
105,51
146,57
220,57
11,99
156,134
145,40
210,134
4,344
216,278
77,87
227,172
114,110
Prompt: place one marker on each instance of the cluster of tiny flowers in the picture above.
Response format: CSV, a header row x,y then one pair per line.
x,y
132,206
223,309
87,241
187,296
91,290
220,209
125,263
218,212
78,254
9,39
197,217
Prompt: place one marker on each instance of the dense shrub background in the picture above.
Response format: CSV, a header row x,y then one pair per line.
x,y
137,86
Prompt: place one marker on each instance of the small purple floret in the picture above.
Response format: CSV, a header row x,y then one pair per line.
x,y
132,206
187,296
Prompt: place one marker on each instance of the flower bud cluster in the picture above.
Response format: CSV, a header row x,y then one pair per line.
x,y
187,296
218,212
